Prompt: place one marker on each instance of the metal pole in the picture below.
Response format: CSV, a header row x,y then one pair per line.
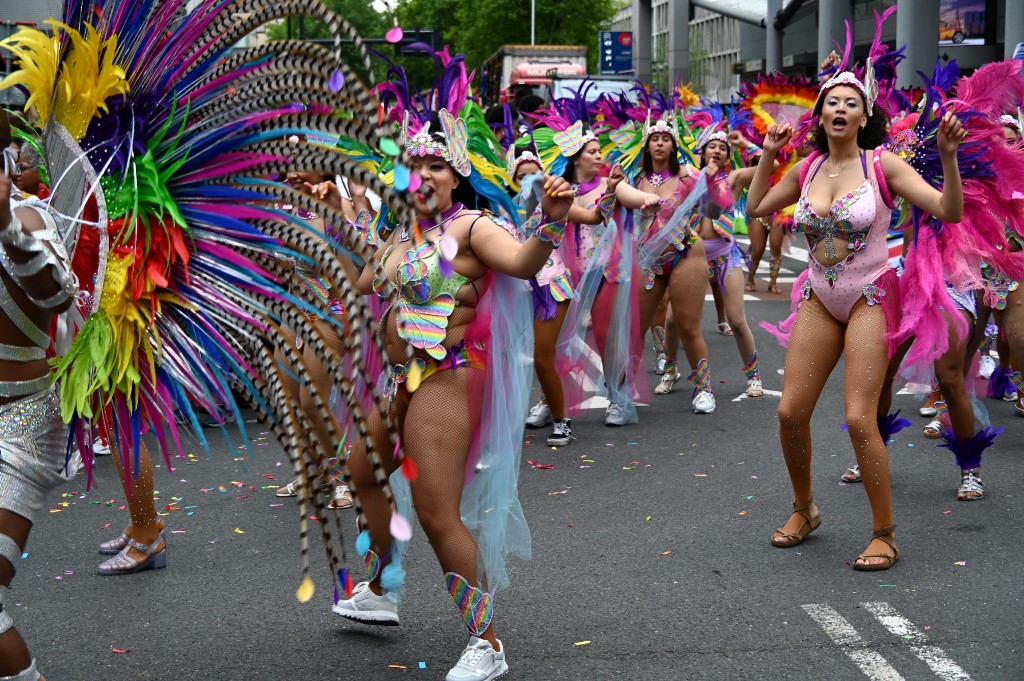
x,y
533,22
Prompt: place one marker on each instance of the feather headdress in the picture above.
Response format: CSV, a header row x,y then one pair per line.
x,y
161,137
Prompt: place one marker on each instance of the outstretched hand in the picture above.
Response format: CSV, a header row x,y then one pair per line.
x,y
831,60
951,134
327,192
615,176
556,197
777,137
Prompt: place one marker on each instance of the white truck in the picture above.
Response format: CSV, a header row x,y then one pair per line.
x,y
515,70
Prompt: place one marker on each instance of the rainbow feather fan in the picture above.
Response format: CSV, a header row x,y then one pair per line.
x,y
162,140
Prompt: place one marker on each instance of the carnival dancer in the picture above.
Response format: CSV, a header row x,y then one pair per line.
x,y
456,400
36,284
771,100
184,286
713,222
602,316
551,296
850,292
328,300
671,257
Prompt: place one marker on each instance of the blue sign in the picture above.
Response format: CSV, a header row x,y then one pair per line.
x,y
615,52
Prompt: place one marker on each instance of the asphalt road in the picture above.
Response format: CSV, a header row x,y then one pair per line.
x,y
651,561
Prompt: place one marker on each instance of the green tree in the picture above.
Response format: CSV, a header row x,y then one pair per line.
x,y
368,22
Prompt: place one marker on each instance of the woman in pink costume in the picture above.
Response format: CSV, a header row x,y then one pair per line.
x,y
671,256
851,294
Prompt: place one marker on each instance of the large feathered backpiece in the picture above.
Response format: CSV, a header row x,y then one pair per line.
x,y
165,143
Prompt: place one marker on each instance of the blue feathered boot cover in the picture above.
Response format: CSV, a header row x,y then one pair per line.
x,y
891,424
968,452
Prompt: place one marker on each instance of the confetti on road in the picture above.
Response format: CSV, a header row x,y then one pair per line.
x,y
422,665
961,563
239,531
119,650
582,643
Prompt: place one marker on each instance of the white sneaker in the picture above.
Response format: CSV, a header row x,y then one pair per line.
x,y
479,662
704,402
614,416
986,366
367,607
668,382
754,387
540,416
100,448
561,434
1011,395
660,367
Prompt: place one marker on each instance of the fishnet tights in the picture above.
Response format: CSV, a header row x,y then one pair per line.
x,y
145,524
437,425
817,342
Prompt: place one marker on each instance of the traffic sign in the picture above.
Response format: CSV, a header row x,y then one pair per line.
x,y
615,50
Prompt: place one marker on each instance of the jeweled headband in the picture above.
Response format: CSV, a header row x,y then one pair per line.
x,y
661,125
868,87
514,162
450,143
706,137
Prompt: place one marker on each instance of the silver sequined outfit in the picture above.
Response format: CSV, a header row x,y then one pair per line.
x,y
33,440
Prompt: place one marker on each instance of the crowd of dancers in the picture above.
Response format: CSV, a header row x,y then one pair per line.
x,y
190,228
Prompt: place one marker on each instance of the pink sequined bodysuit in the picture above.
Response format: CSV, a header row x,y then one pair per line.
x,y
861,218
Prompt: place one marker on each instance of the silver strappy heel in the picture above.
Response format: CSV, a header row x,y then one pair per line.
x,y
123,564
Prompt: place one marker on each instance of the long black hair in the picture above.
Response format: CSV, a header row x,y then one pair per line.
x,y
647,164
870,136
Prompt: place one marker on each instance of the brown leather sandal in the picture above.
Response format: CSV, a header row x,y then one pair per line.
x,y
794,538
885,536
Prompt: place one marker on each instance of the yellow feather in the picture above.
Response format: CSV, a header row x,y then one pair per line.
x,y
88,76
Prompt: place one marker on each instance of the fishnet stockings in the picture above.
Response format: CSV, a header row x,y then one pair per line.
x,y
817,342
145,524
437,426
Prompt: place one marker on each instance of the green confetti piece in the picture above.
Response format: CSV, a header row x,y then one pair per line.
x,y
389,147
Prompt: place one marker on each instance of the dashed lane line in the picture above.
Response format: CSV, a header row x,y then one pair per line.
x,y
842,633
933,656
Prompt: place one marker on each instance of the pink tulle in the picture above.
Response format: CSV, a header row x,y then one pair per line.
x,y
924,296
784,329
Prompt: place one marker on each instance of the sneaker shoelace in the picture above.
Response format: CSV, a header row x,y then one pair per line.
x,y
472,655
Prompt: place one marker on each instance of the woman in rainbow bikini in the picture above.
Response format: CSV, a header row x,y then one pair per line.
x,y
851,295
438,397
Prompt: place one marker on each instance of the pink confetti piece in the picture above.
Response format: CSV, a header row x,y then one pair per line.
x,y
400,528
394,35
946,512
119,651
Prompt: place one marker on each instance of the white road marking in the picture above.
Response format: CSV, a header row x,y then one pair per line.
x,y
842,633
746,296
743,396
933,656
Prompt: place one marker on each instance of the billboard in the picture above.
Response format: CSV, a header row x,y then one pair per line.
x,y
962,22
615,53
